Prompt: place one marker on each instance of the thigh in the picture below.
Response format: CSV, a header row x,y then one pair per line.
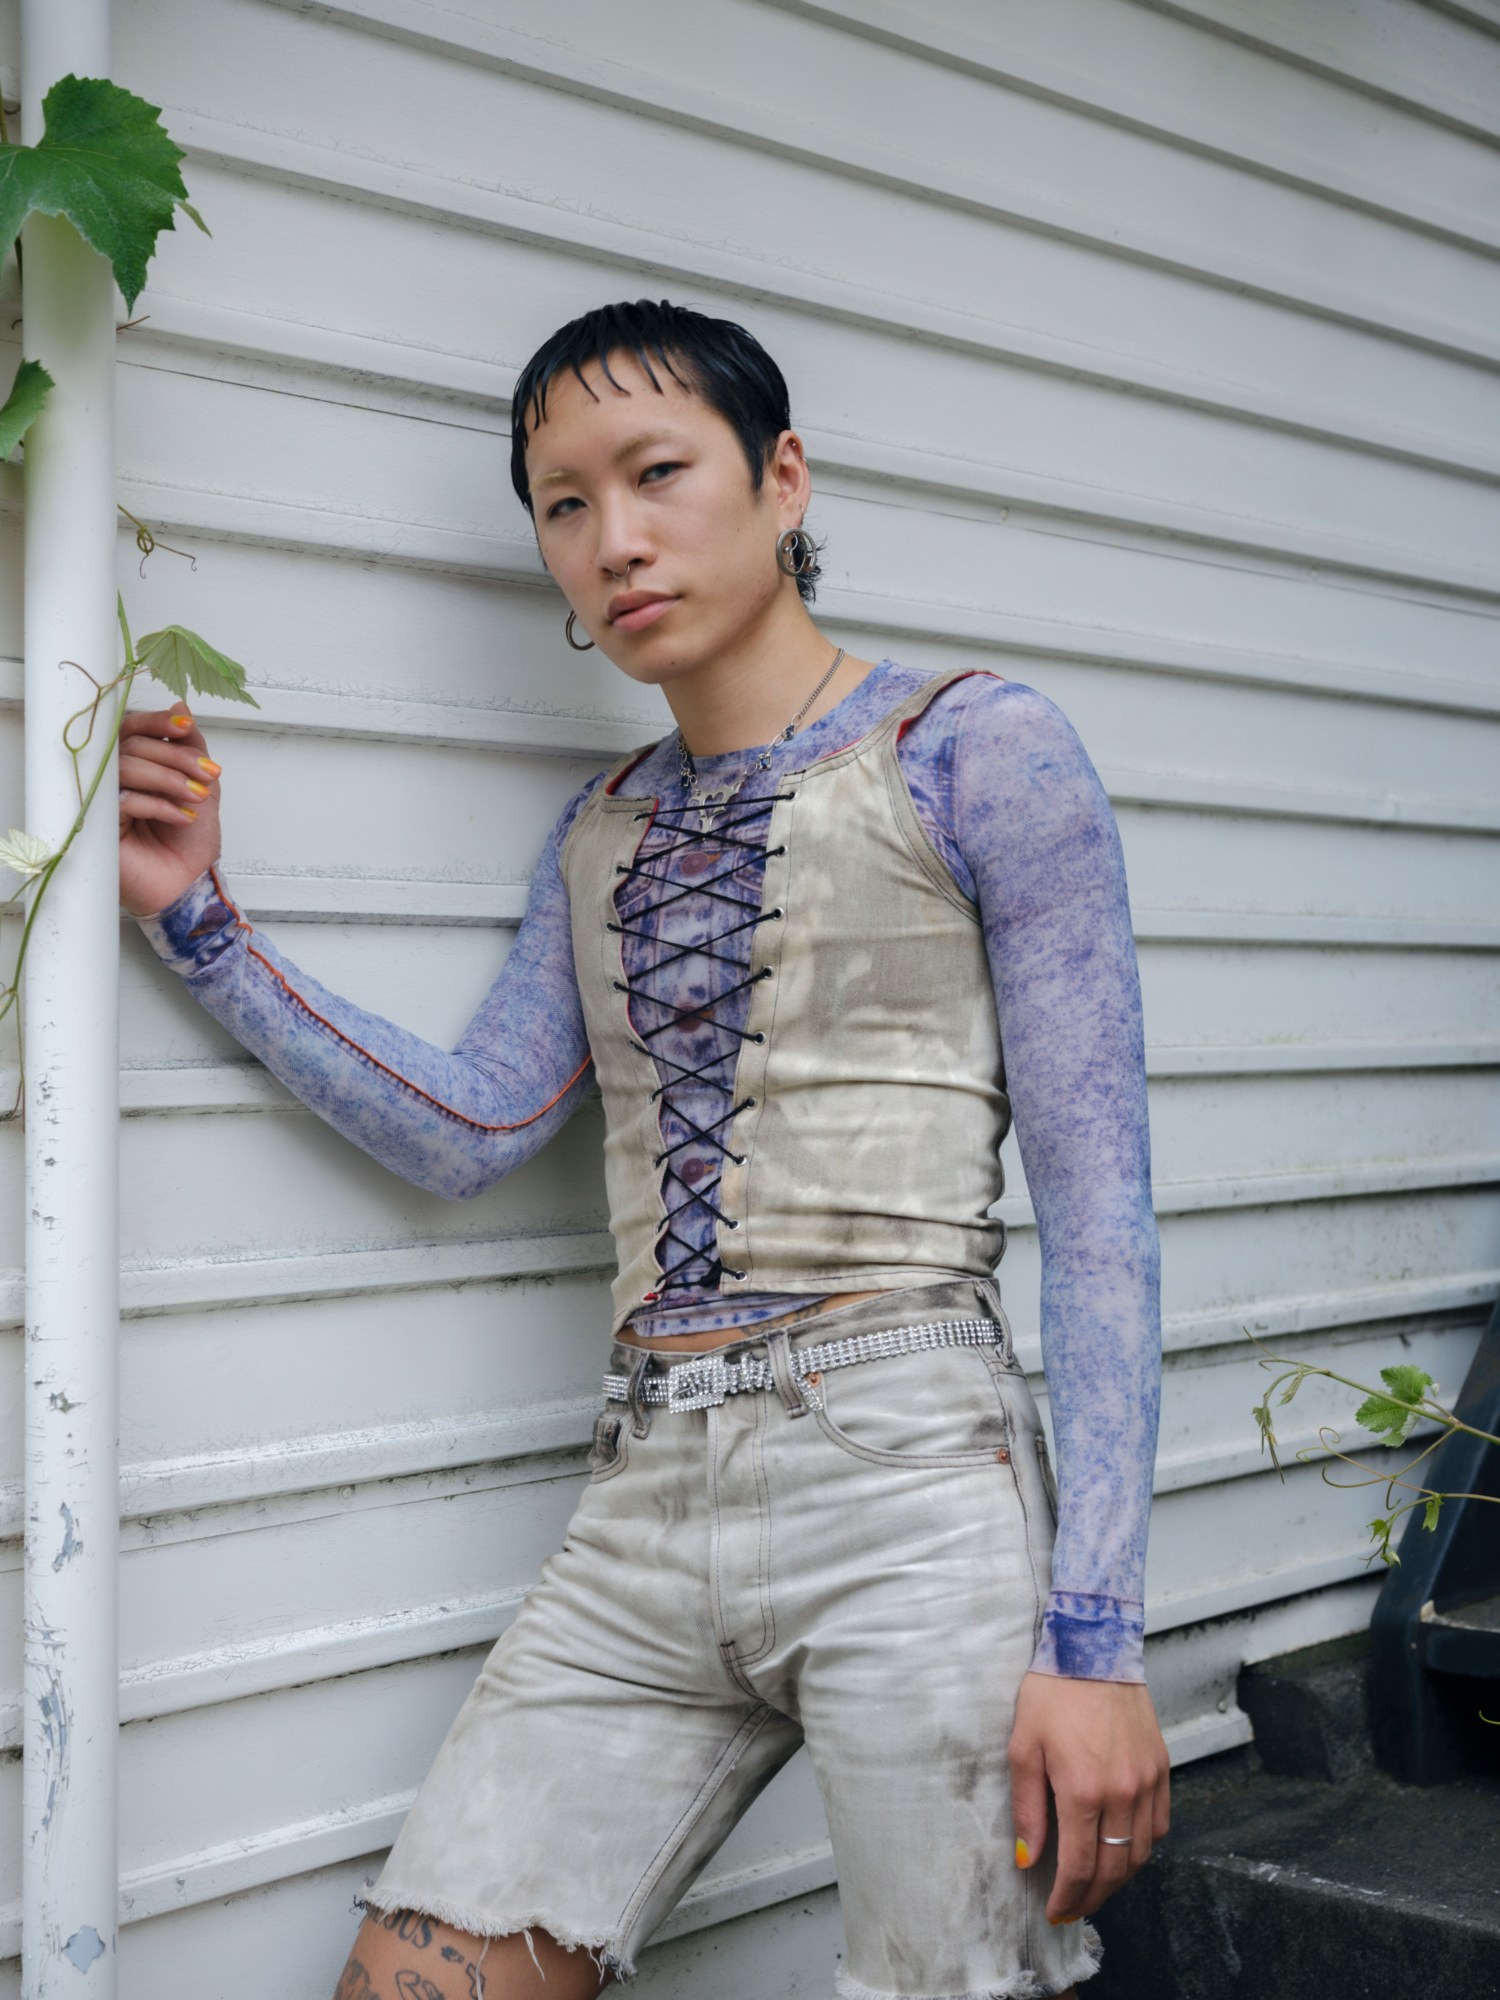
x,y
604,1753
400,1955
926,1619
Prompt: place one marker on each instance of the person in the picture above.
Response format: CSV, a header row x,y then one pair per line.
x,y
817,947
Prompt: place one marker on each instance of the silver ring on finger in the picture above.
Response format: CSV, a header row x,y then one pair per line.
x,y
1117,1839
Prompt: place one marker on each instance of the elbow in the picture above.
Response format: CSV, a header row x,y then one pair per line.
x,y
463,1186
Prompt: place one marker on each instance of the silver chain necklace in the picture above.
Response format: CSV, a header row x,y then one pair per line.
x,y
712,802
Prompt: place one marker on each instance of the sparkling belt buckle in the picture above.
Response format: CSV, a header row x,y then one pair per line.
x,y
694,1385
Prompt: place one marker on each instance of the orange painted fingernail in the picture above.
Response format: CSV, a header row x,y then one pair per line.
x,y
198,790
1023,1855
208,764
187,812
179,721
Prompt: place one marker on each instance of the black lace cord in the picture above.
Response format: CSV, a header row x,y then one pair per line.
x,y
668,952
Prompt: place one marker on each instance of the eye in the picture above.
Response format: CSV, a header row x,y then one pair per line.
x,y
663,465
556,509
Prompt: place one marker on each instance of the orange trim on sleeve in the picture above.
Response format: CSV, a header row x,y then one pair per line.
x,y
475,1124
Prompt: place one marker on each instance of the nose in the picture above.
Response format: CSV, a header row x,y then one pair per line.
x,y
623,540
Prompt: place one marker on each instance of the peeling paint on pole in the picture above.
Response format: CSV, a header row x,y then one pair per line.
x,y
70,1695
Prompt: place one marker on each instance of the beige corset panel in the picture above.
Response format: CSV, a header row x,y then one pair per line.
x,y
871,1152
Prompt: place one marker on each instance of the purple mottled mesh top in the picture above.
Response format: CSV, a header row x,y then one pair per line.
x,y
1010,800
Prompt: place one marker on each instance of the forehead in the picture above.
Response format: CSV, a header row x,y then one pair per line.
x,y
609,419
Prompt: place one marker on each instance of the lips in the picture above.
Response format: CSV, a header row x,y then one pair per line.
x,y
634,608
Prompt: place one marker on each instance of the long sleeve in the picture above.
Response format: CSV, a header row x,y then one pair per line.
x,y
450,1121
1038,848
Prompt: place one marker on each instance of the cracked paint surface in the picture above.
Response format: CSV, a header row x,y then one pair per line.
x,y
83,1947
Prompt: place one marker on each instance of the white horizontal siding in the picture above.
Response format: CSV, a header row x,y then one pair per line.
x,y
1145,353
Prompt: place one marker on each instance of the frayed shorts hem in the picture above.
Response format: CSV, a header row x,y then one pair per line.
x,y
1026,1985
605,1948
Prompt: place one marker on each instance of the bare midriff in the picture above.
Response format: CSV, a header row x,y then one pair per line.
x,y
726,1336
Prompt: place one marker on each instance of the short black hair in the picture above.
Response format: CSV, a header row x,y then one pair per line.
x,y
716,359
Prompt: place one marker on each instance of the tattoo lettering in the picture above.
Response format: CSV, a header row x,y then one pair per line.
x,y
412,1986
410,1927
471,1971
355,1984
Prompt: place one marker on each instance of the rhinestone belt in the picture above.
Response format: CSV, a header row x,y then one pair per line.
x,y
709,1378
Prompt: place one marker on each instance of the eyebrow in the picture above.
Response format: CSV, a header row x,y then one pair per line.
x,y
631,444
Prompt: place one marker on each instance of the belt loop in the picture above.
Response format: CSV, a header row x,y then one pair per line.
x,y
989,1293
635,1396
789,1388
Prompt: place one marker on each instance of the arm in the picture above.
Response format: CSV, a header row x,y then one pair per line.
x,y
451,1122
1038,842
1041,847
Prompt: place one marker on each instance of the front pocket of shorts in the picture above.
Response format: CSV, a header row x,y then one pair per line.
x,y
607,1450
938,1406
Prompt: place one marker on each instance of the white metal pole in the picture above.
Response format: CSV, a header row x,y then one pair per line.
x,y
71,1678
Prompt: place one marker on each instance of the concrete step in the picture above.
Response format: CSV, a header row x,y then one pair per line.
x,y
1295,1867
1309,1891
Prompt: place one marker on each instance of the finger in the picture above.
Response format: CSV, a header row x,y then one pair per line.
x,y
148,805
1113,1864
1077,1846
1028,1801
148,774
173,725
1145,1819
179,756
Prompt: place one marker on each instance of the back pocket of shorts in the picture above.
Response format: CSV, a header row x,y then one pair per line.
x,y
938,1406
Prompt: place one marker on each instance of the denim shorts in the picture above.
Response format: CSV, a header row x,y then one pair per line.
x,y
863,1568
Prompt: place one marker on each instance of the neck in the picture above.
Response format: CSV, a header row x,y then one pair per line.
x,y
746,696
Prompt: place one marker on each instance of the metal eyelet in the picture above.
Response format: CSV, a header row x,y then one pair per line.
x,y
619,988
759,1036
739,1274
775,913
611,927
739,1158
728,1224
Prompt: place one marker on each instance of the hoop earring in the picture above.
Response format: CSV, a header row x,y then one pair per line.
x,y
568,635
797,553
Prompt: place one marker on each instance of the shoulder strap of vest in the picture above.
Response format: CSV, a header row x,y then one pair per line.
x,y
626,765
906,712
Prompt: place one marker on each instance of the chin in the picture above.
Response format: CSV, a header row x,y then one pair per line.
x,y
657,665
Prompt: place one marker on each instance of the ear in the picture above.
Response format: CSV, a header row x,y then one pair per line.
x,y
789,476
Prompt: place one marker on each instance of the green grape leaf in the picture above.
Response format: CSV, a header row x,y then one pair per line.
x,y
1381,1532
179,659
1409,1383
104,161
23,405
26,853
1386,1413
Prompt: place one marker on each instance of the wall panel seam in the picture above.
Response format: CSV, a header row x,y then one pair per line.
x,y
427,195
1113,101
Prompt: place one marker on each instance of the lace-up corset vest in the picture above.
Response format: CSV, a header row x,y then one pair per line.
x,y
843,1069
